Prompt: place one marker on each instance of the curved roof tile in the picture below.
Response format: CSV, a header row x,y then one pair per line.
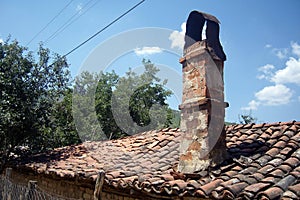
x,y
264,163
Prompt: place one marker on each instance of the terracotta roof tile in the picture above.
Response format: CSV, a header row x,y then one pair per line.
x,y
277,173
289,195
286,151
271,193
222,194
264,163
276,162
235,189
286,168
271,180
255,188
295,189
284,138
266,169
280,144
292,162
249,170
263,160
209,187
255,126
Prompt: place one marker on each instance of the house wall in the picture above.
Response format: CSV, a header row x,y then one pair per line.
x,y
77,189
54,186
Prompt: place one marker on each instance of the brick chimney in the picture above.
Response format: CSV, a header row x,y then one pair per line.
x,y
203,107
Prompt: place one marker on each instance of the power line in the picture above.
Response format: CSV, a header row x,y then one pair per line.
x,y
70,21
49,22
107,26
111,23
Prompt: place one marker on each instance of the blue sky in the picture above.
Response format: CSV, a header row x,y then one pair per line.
x,y
261,40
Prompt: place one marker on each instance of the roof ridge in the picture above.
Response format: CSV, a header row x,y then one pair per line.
x,y
260,125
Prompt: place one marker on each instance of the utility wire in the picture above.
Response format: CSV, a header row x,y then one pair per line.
x,y
49,22
91,37
70,21
111,23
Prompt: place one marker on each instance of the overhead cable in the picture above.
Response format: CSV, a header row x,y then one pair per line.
x,y
36,35
71,20
97,33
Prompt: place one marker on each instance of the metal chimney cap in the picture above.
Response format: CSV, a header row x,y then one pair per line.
x,y
208,16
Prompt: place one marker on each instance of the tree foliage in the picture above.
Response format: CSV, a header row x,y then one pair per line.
x,y
140,101
104,93
62,130
123,105
247,118
29,89
37,102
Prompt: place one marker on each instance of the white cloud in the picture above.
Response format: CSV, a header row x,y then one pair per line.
x,y
271,96
278,94
268,46
147,50
296,49
266,68
274,95
290,74
267,72
177,38
281,53
252,105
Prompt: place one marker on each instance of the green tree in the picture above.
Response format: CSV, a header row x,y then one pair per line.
x,y
29,89
122,104
84,106
139,101
175,118
92,94
247,118
63,130
103,96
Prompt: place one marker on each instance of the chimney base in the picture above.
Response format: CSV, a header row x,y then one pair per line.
x,y
203,142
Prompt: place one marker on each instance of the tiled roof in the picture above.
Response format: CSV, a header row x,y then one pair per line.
x,y
264,164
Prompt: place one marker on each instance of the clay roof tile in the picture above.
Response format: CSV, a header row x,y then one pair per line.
x,y
265,163
271,193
